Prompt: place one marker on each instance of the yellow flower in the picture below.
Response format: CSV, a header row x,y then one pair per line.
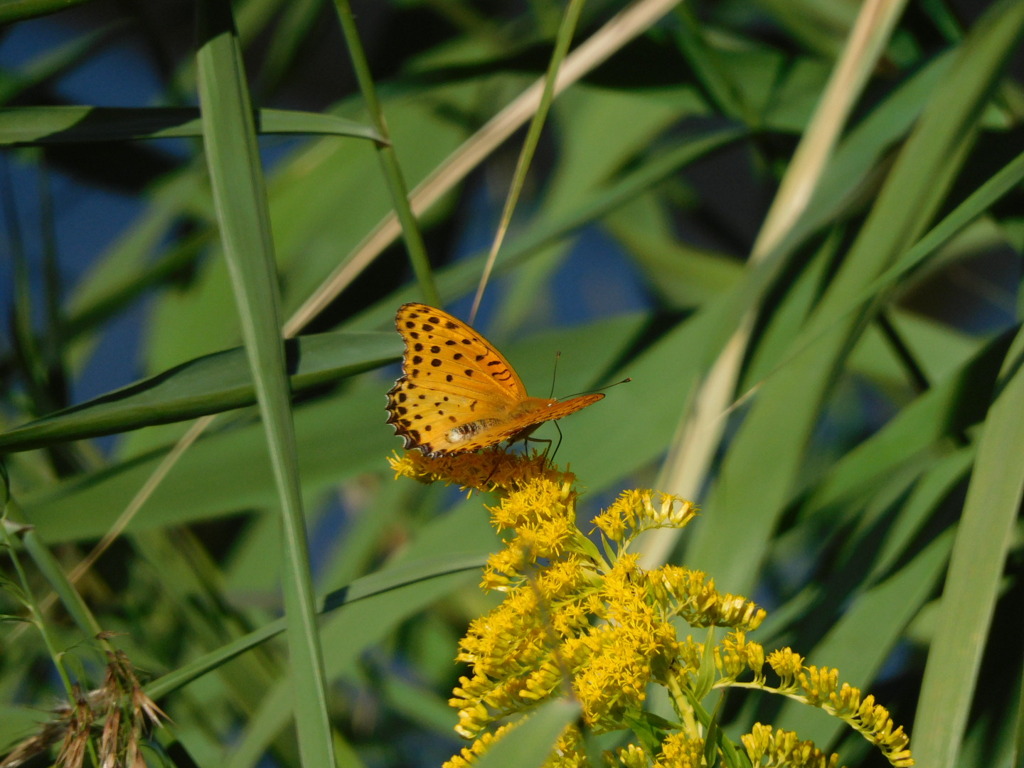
x,y
874,722
818,684
481,471
619,517
638,510
784,748
568,751
735,655
681,751
469,754
629,756
574,618
692,595
787,666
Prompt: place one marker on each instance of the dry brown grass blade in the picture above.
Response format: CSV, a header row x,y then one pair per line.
x,y
690,456
619,30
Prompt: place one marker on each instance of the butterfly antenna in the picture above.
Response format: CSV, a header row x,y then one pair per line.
x,y
599,389
554,373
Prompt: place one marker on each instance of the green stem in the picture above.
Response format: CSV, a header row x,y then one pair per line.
x,y
388,159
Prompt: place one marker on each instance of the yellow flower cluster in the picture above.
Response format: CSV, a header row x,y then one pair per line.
x,y
639,510
768,747
816,686
482,471
574,620
819,687
581,618
468,754
677,751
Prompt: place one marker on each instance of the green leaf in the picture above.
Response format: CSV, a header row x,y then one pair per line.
x,y
403,576
531,742
224,473
17,10
983,541
240,199
751,493
209,384
74,124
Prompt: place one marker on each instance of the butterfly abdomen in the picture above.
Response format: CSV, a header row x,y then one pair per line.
x,y
463,432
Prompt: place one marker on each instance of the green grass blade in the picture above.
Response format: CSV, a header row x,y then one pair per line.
x,y
390,167
65,590
75,124
208,384
222,474
864,635
240,199
946,410
19,10
350,631
752,490
406,574
563,39
531,743
1002,183
53,63
983,541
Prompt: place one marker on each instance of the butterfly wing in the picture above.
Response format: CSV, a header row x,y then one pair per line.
x,y
533,412
455,384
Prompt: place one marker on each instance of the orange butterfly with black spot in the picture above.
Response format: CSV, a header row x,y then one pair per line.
x,y
457,392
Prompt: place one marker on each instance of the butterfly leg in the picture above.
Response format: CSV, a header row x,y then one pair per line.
x,y
550,459
494,466
558,445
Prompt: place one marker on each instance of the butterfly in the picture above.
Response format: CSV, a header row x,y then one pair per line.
x,y
457,392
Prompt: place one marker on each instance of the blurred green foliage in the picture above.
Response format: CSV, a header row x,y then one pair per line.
x,y
860,473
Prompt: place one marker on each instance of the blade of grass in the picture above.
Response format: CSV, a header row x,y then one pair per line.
x,y
77,124
1003,182
707,68
752,491
208,384
405,575
531,743
289,33
23,341
53,572
224,473
390,166
876,615
690,459
18,10
566,30
945,411
240,198
983,541
350,631
53,62
54,335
